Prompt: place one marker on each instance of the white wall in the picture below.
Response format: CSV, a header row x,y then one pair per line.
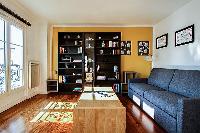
x,y
36,49
182,57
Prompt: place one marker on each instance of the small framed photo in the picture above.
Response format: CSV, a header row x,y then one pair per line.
x,y
184,36
162,41
143,48
125,47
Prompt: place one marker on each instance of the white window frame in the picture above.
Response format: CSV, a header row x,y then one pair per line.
x,y
10,20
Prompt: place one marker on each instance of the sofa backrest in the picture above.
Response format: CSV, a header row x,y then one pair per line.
x,y
161,77
186,83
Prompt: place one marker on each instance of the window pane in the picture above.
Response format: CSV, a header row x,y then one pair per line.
x,y
16,66
16,60
2,33
2,68
16,35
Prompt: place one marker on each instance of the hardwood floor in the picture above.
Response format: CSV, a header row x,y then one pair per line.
x,y
138,121
21,116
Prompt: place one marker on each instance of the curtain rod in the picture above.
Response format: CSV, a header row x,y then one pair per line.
x,y
14,14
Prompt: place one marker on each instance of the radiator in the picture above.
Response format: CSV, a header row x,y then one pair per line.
x,y
34,74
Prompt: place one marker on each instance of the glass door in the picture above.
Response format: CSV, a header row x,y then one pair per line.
x,y
2,57
89,56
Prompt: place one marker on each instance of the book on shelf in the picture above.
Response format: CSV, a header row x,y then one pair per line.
x,y
77,89
63,79
116,88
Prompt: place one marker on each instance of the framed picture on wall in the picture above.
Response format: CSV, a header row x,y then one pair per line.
x,y
143,48
184,36
125,47
162,41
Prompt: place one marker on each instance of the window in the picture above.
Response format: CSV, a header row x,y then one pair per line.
x,y
16,58
2,57
11,56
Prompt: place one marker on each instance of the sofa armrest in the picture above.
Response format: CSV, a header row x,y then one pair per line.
x,y
137,80
188,115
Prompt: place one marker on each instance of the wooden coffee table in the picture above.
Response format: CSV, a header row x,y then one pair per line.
x,y
99,111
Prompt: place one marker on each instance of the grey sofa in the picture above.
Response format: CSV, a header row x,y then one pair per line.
x,y
174,96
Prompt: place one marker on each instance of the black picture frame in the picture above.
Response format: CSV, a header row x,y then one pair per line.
x,y
184,36
126,47
143,48
162,41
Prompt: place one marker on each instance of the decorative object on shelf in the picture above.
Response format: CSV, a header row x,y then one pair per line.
x,y
125,47
100,51
63,79
184,36
117,75
162,41
98,68
91,69
103,44
115,68
79,81
66,65
77,89
116,88
79,50
110,44
76,43
78,36
116,37
101,77
143,48
88,77
89,39
67,59
90,60
62,50
77,60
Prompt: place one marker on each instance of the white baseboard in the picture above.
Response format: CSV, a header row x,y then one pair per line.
x,y
15,102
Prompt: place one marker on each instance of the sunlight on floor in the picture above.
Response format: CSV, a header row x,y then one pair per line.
x,y
148,124
61,105
47,115
62,117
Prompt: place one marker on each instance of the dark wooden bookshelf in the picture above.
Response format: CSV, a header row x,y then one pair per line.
x,y
80,56
107,55
69,72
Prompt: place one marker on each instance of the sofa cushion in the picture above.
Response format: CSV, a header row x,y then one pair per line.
x,y
140,88
167,101
186,83
161,77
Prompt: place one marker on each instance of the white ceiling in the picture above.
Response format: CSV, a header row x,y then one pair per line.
x,y
103,12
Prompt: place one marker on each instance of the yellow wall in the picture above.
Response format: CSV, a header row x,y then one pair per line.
x,y
131,62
